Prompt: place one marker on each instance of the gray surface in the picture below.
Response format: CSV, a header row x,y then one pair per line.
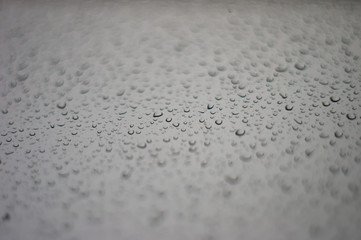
x,y
194,120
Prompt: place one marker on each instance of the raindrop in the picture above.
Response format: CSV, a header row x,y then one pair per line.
x,y
231,179
142,145
218,122
289,107
300,66
351,116
281,68
61,105
240,132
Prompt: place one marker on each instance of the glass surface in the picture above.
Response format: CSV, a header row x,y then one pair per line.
x,y
180,120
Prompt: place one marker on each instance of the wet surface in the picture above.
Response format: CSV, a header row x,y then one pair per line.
x,y
180,120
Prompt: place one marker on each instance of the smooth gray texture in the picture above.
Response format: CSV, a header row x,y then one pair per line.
x,y
180,120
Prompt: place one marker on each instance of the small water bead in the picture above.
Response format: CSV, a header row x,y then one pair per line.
x,y
289,107
22,77
22,66
61,105
13,84
281,68
232,179
335,99
126,173
323,135
210,106
192,149
298,121
334,169
300,66
289,150
161,162
212,73
221,68
54,60
245,157
348,69
218,122
84,91
283,95
269,79
338,134
234,81
231,76
240,132
59,83
9,152
345,170
309,152
351,116
157,114
326,104
6,217
142,145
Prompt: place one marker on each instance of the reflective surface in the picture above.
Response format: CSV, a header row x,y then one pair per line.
x,y
180,120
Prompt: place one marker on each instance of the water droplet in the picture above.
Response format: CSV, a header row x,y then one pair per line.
x,y
335,99
240,132
157,114
234,179
142,145
289,107
61,105
351,116
300,66
218,122
338,134
281,68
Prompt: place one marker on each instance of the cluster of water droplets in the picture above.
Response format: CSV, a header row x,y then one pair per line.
x,y
181,120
